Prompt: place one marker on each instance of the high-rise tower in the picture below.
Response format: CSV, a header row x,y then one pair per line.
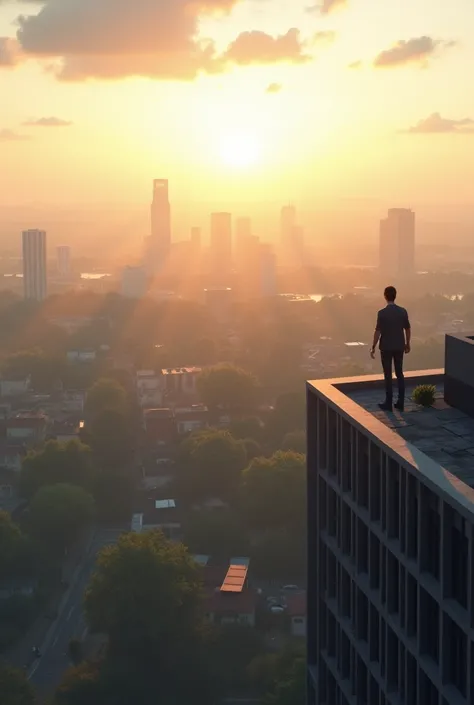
x,y
34,264
160,241
397,242
221,245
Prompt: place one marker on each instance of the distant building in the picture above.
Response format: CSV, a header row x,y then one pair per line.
x,y
196,240
64,260
87,356
397,243
287,224
14,387
181,381
162,514
296,610
219,302
27,427
221,246
149,389
34,265
134,282
267,270
160,426
231,601
160,240
191,418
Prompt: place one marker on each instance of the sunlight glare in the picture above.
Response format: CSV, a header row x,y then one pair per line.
x,y
239,149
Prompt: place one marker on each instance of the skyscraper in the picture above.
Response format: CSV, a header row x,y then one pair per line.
x,y
221,246
134,282
242,243
160,241
34,264
397,243
64,260
268,279
287,224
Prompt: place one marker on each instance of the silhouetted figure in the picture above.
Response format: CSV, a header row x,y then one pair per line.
x,y
394,333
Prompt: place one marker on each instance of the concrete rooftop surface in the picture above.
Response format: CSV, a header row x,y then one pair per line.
x,y
442,432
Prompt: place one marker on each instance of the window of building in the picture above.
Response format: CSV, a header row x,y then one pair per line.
x,y
345,667
331,635
412,517
393,577
375,481
363,472
322,434
459,560
363,547
411,680
362,616
374,634
383,492
331,512
428,691
403,523
431,532
455,655
331,588
361,691
346,459
412,605
383,644
374,571
374,690
346,529
393,499
402,609
429,626
345,594
392,660
323,504
383,575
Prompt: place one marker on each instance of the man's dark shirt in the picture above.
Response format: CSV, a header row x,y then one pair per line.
x,y
392,321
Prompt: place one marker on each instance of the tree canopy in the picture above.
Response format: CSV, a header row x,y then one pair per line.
x,y
229,387
212,461
146,597
289,414
106,394
15,689
70,463
58,513
110,434
274,491
16,551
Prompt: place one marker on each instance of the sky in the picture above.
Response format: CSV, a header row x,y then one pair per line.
x,y
311,101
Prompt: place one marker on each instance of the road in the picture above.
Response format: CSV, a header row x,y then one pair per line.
x,y
46,672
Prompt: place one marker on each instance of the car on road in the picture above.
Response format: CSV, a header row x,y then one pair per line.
x,y
277,609
290,588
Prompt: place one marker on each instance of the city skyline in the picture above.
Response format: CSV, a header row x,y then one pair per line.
x,y
247,96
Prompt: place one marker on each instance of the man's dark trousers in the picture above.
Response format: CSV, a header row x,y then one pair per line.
x,y
395,356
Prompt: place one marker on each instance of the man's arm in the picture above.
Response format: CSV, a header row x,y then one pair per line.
x,y
376,338
407,328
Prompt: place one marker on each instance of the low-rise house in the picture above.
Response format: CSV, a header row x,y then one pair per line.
x,y
64,431
149,389
15,387
81,356
27,427
228,598
73,402
162,514
181,382
191,418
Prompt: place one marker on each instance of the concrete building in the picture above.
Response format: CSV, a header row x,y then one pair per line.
x,y
159,244
221,247
397,243
34,265
63,253
391,540
134,282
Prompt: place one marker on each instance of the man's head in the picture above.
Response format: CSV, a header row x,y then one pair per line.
x,y
390,294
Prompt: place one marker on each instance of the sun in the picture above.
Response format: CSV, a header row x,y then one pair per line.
x,y
239,149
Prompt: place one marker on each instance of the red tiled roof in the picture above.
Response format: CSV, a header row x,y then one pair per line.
x,y
296,604
218,602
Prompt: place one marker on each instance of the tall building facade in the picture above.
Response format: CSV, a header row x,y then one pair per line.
x,y
160,240
397,243
268,273
63,253
34,264
287,224
221,246
391,541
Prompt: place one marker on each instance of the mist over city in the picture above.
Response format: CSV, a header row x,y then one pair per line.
x,y
236,352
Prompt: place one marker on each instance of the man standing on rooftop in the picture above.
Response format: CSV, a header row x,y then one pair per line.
x,y
394,333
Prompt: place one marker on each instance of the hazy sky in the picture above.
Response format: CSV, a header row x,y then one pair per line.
x,y
237,99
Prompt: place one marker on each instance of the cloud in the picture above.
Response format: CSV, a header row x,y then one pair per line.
x,y
355,65
410,51
118,38
326,6
48,122
12,136
273,88
435,124
327,37
261,48
10,52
